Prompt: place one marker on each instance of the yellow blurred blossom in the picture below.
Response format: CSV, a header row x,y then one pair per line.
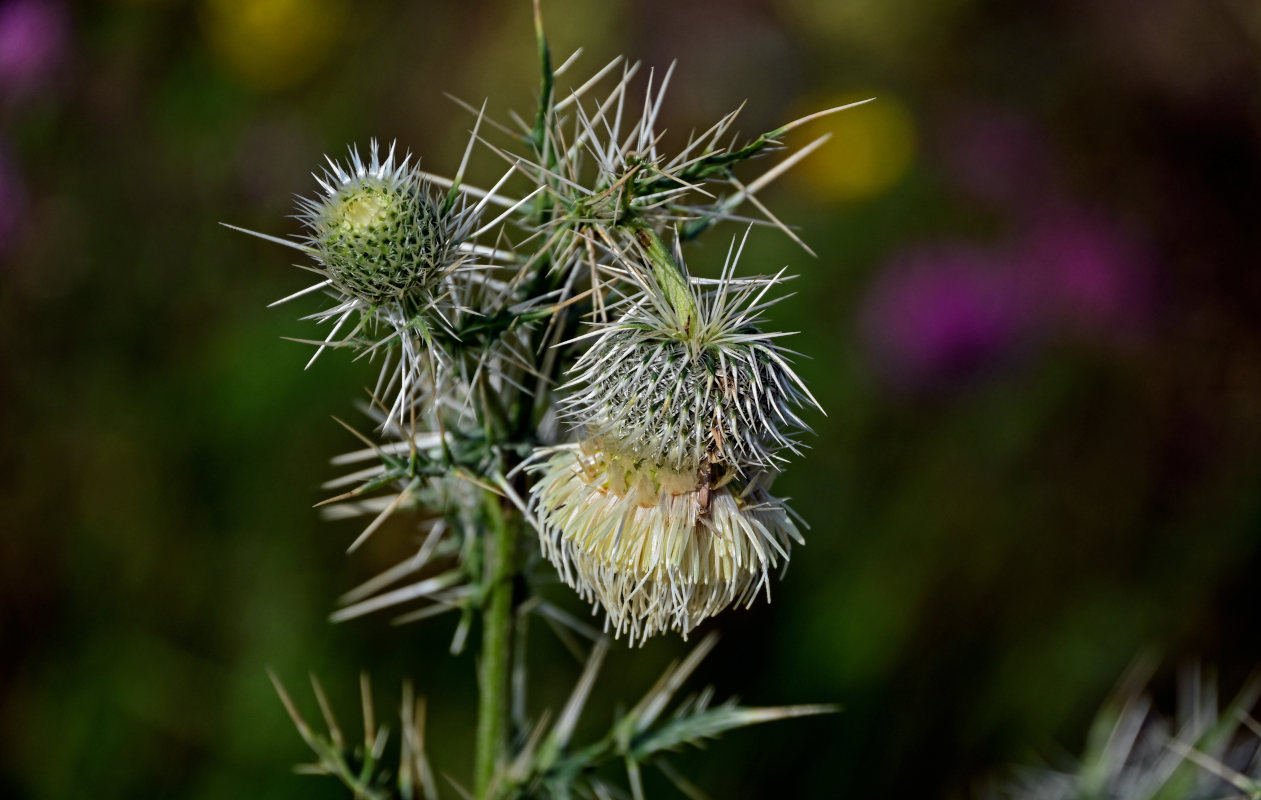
x,y
872,147
271,44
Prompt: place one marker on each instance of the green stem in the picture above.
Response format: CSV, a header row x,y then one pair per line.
x,y
492,709
669,274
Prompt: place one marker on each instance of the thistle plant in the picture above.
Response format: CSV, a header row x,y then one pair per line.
x,y
1206,751
554,382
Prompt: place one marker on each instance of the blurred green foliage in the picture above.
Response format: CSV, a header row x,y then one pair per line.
x,y
990,546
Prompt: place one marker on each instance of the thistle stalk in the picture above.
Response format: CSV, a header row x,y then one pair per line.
x,y
492,709
667,271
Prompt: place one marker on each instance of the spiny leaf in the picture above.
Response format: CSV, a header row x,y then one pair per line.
x,y
710,723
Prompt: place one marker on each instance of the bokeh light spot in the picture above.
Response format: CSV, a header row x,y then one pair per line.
x,y
271,44
872,147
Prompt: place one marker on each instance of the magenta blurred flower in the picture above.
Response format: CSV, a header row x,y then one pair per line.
x,y
34,37
1089,276
940,314
934,315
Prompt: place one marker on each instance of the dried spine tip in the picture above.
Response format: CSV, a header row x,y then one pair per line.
x,y
376,230
659,549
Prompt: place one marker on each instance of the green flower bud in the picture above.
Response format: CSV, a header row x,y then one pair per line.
x,y
376,230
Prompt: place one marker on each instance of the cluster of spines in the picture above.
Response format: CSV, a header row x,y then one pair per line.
x,y
1208,750
599,158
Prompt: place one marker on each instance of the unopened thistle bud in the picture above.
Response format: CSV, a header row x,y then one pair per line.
x,y
376,229
388,251
675,404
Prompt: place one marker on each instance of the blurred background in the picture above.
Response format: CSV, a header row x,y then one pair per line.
x,y
1033,322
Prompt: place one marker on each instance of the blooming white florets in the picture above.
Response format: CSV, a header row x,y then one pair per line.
x,y
659,549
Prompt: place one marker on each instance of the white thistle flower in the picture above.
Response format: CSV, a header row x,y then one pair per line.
x,y
662,515
657,548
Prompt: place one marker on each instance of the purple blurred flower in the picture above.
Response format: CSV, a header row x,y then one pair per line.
x,y
33,39
941,314
1089,275
934,315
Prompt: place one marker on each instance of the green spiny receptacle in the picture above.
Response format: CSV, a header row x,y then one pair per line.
x,y
685,384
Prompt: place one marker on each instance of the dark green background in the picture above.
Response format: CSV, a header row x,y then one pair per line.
x,y
987,552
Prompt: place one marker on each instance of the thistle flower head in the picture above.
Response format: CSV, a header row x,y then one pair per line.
x,y
681,390
659,549
376,229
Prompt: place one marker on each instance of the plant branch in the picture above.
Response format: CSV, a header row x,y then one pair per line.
x,y
492,711
668,273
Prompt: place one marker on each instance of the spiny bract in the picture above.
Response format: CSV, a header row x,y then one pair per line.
x,y
681,392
